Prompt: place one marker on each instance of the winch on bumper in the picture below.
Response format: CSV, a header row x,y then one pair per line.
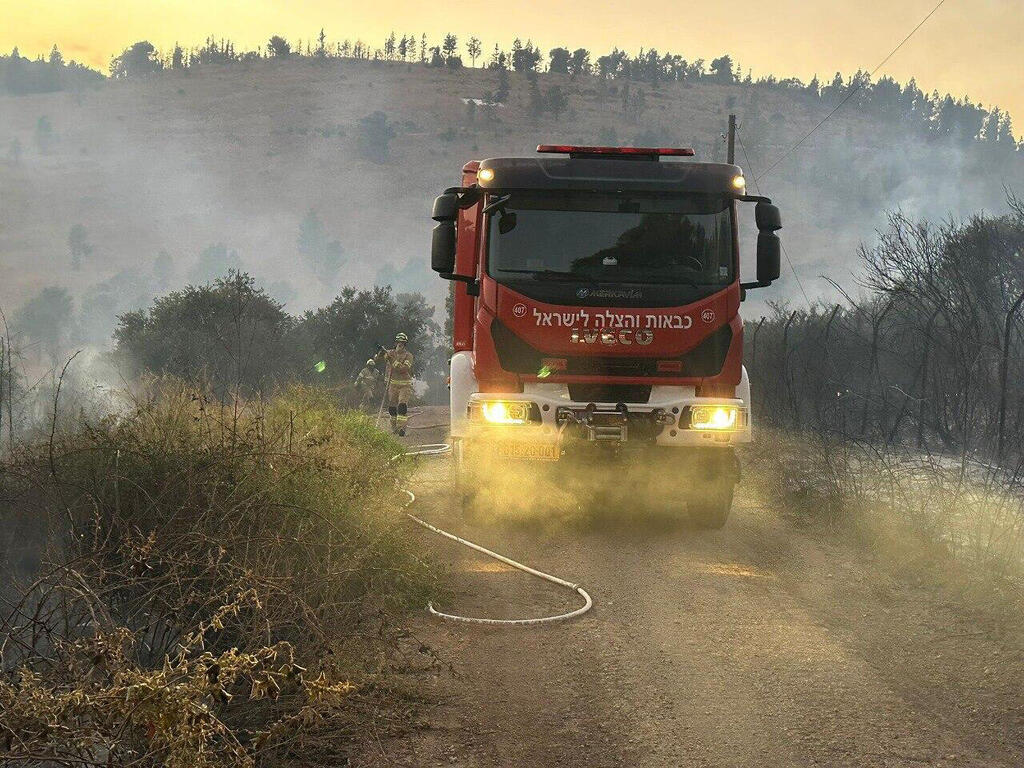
x,y
516,421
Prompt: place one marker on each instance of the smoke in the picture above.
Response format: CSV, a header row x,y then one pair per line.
x,y
236,157
836,191
640,488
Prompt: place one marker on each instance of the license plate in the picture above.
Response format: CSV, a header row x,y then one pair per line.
x,y
524,449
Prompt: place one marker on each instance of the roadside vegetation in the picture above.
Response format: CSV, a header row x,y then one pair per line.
x,y
226,335
899,413
193,581
201,560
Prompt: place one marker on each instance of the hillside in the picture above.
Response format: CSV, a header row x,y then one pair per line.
x,y
238,155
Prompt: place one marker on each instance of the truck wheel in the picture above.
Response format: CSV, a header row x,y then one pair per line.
x,y
709,509
711,500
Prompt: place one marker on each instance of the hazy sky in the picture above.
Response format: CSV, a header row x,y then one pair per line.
x,y
968,46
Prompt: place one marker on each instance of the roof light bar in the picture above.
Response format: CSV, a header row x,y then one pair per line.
x,y
646,152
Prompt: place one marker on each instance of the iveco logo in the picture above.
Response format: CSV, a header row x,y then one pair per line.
x,y
626,336
519,310
582,293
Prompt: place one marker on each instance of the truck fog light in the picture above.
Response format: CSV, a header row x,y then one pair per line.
x,y
721,418
505,412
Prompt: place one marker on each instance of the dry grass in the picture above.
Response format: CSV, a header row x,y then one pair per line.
x,y
217,587
952,518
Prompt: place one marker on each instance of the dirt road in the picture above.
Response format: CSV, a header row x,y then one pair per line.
x,y
757,645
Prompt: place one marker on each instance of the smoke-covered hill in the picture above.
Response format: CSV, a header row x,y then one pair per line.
x,y
122,191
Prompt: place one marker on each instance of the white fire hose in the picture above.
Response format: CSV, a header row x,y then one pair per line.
x,y
442,449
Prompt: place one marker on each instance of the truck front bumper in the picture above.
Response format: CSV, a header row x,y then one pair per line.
x,y
665,420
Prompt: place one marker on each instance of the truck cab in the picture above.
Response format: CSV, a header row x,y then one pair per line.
x,y
596,308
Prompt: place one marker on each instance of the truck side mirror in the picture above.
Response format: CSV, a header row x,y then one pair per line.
x,y
506,222
442,247
446,207
767,217
768,262
769,247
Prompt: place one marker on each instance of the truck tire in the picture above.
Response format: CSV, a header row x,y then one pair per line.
x,y
709,508
710,503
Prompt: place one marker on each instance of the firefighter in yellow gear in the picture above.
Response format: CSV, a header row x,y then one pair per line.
x,y
366,383
400,383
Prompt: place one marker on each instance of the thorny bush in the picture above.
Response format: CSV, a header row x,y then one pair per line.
x,y
216,584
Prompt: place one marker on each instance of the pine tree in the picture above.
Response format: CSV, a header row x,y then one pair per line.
x,y
473,49
813,87
279,47
517,55
501,95
557,102
579,62
558,60
1006,137
373,137
450,46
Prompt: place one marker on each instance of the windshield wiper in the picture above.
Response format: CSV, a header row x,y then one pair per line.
x,y
497,203
650,278
553,274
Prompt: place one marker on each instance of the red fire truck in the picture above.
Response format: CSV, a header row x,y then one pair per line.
x,y
596,308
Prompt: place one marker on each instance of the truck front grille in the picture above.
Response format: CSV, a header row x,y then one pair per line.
x,y
706,359
609,393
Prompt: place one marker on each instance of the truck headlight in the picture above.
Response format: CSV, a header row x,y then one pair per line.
x,y
718,418
505,412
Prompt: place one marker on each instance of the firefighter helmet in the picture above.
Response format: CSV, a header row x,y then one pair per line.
x,y
401,337
372,363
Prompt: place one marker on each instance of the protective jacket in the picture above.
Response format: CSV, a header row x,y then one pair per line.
x,y
401,366
367,379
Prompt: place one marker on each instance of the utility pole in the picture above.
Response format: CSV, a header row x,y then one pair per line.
x,y
731,156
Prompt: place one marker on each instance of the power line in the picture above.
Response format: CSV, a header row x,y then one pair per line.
x,y
853,91
757,189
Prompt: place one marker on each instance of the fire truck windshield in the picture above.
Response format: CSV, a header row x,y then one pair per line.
x,y
613,238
